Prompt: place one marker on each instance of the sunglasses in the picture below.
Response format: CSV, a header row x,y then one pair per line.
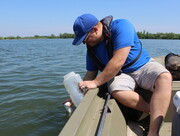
x,y
86,38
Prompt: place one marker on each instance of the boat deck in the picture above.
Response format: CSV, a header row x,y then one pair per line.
x,y
134,129
85,119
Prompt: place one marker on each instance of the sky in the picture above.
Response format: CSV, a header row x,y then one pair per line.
x,y
46,17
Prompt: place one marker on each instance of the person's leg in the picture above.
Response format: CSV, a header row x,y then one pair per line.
x,y
122,89
154,77
131,99
159,102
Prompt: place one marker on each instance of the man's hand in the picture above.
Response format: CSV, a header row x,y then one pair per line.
x,y
86,85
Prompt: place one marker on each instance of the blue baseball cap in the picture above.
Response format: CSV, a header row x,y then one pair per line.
x,y
82,25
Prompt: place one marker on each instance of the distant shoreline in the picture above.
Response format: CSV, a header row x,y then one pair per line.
x,y
141,35
52,36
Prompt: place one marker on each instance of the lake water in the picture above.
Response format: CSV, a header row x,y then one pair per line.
x,y
31,82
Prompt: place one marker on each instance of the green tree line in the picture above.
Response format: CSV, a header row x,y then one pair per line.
x,y
147,35
141,35
52,36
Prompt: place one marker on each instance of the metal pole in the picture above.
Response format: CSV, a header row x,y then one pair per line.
x,y
103,116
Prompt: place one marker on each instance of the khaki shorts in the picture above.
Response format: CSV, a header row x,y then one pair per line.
x,y
144,78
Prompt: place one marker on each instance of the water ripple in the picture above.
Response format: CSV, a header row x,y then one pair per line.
x,y
31,82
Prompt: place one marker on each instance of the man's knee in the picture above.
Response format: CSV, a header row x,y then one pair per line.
x,y
166,77
164,81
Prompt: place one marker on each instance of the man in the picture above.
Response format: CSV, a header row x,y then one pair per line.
x,y
143,72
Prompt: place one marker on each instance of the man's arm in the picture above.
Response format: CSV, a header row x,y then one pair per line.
x,y
111,69
90,75
113,66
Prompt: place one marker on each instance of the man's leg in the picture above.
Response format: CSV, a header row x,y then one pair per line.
x,y
131,99
122,87
159,102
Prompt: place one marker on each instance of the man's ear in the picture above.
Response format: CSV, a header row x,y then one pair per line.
x,y
95,29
